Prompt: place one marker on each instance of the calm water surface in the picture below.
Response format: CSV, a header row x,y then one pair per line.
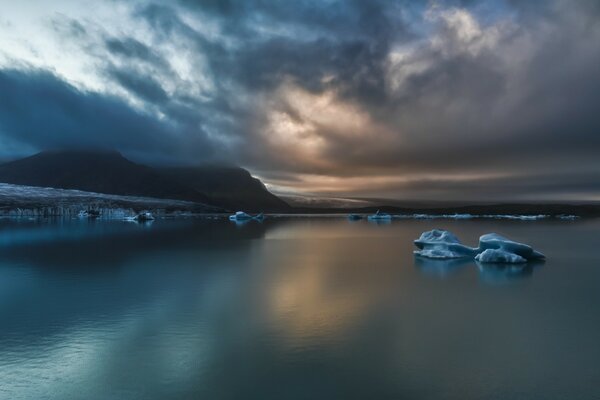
x,y
318,308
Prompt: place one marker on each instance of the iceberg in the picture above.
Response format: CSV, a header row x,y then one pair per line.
x,y
240,216
441,244
493,248
379,216
499,256
493,241
457,216
144,216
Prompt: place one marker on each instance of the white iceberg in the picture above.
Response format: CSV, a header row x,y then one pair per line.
x,y
240,216
499,256
441,244
494,241
493,248
379,216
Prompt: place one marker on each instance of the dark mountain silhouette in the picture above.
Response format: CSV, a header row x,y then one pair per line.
x,y
94,171
228,186
109,172
223,187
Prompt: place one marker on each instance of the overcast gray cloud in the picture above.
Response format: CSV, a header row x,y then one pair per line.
x,y
454,99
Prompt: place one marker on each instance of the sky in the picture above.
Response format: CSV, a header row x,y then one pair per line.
x,y
411,100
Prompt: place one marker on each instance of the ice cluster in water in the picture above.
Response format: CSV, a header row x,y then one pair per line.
x,y
493,248
442,244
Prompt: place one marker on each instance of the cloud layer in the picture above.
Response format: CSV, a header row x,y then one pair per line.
x,y
451,99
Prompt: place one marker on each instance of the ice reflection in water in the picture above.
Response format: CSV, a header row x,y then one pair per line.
x,y
488,272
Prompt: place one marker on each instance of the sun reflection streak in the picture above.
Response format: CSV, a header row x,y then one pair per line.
x,y
315,296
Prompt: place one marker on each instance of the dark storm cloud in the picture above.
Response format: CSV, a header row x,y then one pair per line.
x,y
456,104
130,47
303,40
352,89
40,109
143,86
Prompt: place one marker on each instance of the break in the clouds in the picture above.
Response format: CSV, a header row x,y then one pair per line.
x,y
435,100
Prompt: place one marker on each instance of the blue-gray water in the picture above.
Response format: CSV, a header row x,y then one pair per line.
x,y
293,309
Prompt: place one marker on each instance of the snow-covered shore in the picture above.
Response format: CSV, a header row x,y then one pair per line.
x,y
29,201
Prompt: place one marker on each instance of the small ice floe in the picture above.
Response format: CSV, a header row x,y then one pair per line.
x,y
500,246
499,256
473,216
567,217
440,216
355,217
144,216
441,244
240,216
517,217
379,216
493,248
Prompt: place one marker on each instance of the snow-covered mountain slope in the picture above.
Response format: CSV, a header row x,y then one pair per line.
x,y
30,200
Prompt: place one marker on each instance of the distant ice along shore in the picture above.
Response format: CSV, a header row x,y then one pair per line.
x,y
485,216
30,201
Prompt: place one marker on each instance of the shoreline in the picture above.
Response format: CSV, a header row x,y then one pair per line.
x,y
124,215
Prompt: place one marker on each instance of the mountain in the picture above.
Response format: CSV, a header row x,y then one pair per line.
x,y
94,171
108,172
230,187
29,201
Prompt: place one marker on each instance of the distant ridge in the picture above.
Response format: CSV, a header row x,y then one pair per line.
x,y
228,186
94,171
108,172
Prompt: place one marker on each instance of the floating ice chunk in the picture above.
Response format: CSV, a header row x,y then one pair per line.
x,y
567,217
494,241
461,216
516,217
436,236
240,216
442,216
493,248
441,244
144,216
499,256
441,252
379,216
473,216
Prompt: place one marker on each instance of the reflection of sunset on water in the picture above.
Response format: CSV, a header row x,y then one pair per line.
x,y
323,286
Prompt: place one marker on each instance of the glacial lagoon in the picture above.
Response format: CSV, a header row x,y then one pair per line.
x,y
294,308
